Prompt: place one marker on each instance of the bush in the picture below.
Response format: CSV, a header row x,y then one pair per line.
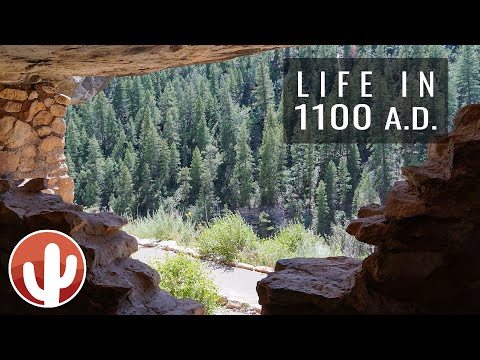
x,y
186,277
291,241
292,235
227,237
342,243
163,225
266,253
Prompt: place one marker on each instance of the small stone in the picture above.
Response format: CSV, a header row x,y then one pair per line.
x,y
12,107
13,94
21,134
9,161
244,266
263,269
42,118
55,158
29,151
147,242
6,125
65,188
58,126
26,165
44,131
168,245
35,108
235,304
58,110
63,99
222,300
48,102
48,89
50,143
33,95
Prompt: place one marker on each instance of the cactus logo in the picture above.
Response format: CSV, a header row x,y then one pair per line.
x,y
47,268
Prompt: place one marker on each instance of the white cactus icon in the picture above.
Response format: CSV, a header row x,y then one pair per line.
x,y
52,281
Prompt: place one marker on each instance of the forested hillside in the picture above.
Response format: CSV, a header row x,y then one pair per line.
x,y
204,138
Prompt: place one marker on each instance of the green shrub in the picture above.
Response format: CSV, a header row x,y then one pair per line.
x,y
266,253
186,277
291,241
265,225
226,236
163,225
292,235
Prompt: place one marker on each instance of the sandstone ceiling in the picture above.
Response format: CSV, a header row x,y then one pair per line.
x,y
34,63
80,71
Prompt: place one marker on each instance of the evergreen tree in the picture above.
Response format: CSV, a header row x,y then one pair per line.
x,y
93,175
365,193
196,170
184,188
330,179
322,209
242,180
268,161
343,181
124,201
468,75
263,95
200,126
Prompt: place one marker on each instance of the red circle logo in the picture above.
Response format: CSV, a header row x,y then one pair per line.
x,y
47,268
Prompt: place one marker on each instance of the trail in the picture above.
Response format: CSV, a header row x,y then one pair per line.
x,y
233,283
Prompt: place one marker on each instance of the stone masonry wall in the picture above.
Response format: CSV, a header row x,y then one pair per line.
x,y
32,136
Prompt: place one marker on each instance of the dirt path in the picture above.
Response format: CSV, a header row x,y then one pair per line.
x,y
233,283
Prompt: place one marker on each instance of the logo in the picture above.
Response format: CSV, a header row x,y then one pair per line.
x,y
47,268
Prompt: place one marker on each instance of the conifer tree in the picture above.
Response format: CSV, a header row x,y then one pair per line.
x,y
322,208
242,180
468,75
330,179
365,193
124,201
200,126
344,186
196,169
268,161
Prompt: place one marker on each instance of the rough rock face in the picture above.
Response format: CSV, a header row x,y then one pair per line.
x,y
308,286
32,136
115,283
80,71
427,240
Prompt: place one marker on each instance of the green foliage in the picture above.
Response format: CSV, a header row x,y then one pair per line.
x,y
342,243
322,208
291,241
208,137
242,180
226,236
365,193
269,161
186,277
265,224
163,225
292,235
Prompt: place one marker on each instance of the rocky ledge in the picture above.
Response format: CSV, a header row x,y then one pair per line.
x,y
115,283
427,239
